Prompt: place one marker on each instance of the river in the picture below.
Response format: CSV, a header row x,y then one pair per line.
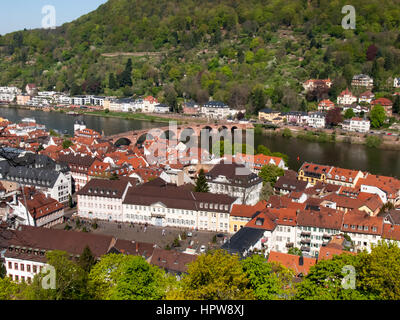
x,y
385,162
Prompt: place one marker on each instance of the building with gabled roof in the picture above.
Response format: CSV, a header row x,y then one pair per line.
x,y
299,264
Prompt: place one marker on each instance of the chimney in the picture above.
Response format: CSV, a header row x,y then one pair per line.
x,y
137,247
301,261
180,179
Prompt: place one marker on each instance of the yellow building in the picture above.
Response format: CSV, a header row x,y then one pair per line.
x,y
270,115
313,173
242,214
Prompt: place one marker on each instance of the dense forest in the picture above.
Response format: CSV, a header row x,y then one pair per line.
x,y
252,53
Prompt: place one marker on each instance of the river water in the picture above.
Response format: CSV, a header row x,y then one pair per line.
x,y
385,162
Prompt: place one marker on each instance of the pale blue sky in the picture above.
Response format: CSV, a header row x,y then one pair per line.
x,y
19,14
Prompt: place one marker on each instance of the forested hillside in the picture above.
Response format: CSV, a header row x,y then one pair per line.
x,y
252,53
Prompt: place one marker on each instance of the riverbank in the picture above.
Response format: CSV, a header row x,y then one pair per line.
x,y
144,117
161,118
377,141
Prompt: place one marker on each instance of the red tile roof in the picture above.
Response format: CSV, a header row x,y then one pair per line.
x,y
241,210
292,262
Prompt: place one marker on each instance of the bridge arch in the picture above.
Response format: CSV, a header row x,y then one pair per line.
x,y
187,134
123,142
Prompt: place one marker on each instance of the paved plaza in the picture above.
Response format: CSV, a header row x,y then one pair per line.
x,y
161,236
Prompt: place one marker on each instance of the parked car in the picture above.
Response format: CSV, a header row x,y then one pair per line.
x,y
203,249
189,234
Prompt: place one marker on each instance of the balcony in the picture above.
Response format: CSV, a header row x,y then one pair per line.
x,y
306,234
326,236
305,241
307,249
289,245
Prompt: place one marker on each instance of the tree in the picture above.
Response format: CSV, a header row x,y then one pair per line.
x,y
87,259
114,176
349,113
270,173
70,201
112,82
258,99
3,271
269,281
379,272
377,116
334,117
266,192
123,277
125,78
324,281
295,251
171,98
216,275
373,141
239,95
287,133
396,104
201,183
71,280
66,144
372,51
8,289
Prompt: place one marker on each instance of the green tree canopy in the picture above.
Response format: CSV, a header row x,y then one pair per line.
x,y
201,183
216,275
269,281
377,116
71,280
270,174
122,277
349,113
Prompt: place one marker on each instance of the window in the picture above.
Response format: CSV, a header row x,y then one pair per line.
x,y
22,267
9,265
16,266
34,269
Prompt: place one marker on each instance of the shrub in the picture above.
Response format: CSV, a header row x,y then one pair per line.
x,y
373,141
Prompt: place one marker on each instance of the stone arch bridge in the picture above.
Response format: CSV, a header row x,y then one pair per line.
x,y
176,132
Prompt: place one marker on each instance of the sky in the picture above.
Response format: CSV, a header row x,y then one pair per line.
x,y
19,14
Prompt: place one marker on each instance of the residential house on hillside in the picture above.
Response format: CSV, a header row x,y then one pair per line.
x,y
362,80
326,105
317,120
366,97
386,104
312,84
191,108
218,110
269,115
346,98
356,124
297,117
